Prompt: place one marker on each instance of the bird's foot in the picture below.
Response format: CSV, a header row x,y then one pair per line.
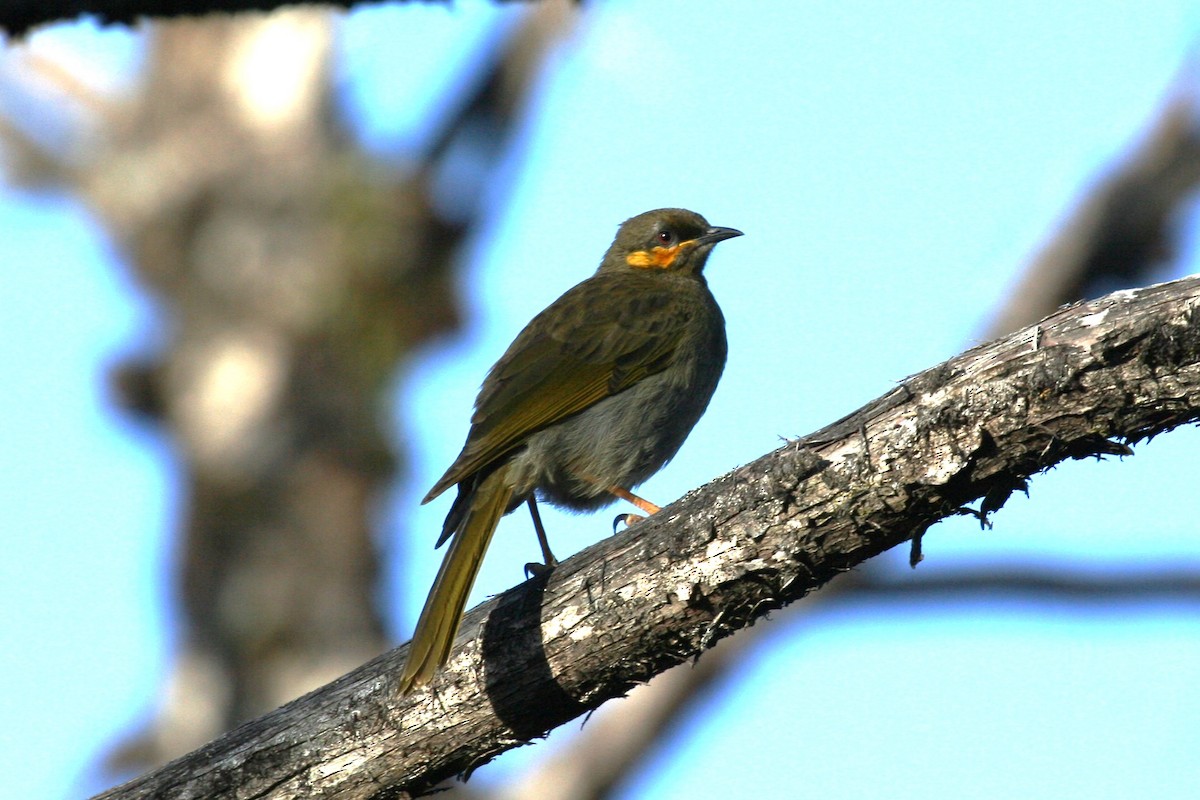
x,y
535,569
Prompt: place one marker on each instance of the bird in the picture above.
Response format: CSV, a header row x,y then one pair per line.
x,y
596,394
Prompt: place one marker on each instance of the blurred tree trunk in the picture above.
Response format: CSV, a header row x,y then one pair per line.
x,y
299,274
295,275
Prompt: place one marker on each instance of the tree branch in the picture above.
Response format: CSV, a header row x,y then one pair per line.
x,y
1086,381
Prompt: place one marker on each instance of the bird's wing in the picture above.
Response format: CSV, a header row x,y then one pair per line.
x,y
583,348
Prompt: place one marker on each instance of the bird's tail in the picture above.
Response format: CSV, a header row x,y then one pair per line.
x,y
438,624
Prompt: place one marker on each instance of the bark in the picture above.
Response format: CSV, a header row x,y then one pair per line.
x,y
1089,380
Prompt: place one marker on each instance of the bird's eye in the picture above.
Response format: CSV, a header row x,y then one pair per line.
x,y
666,237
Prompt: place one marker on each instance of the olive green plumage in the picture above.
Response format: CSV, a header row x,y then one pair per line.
x,y
598,391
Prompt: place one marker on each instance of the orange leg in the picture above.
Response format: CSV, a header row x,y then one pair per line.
x,y
643,504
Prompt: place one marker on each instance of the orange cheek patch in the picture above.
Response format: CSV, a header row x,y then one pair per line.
x,y
657,257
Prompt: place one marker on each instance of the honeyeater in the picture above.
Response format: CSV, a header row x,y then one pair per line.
x,y
594,396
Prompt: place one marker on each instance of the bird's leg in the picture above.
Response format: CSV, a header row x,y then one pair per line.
x,y
640,502
548,559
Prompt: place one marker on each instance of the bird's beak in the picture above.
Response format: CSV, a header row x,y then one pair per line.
x,y
714,235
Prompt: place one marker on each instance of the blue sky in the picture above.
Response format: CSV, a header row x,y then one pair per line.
x,y
892,169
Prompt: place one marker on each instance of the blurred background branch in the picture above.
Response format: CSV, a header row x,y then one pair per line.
x,y
1125,230
17,17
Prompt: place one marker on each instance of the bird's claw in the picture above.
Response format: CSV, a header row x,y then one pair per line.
x,y
628,519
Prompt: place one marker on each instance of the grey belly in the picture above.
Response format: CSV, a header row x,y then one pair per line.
x,y
622,441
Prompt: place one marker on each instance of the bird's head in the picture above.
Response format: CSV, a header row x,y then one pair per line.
x,y
668,239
